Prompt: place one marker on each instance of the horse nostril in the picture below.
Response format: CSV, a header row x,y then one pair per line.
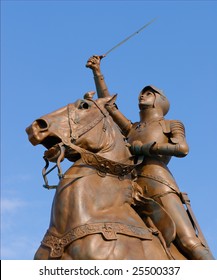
x,y
42,124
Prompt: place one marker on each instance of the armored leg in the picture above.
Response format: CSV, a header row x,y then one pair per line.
x,y
186,237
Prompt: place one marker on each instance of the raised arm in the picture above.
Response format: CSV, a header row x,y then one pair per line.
x,y
102,91
101,87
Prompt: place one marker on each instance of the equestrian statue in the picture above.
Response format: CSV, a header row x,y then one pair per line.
x,y
118,200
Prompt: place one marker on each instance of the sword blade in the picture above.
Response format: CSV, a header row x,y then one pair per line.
x,y
126,39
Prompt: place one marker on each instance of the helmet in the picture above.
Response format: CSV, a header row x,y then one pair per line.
x,y
161,102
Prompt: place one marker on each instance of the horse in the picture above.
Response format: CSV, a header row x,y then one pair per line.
x,y
93,215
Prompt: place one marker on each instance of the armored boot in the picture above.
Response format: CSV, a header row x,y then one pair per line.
x,y
194,249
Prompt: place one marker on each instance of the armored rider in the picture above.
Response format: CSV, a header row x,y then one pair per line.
x,y
157,140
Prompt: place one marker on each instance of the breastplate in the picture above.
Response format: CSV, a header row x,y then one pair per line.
x,y
146,133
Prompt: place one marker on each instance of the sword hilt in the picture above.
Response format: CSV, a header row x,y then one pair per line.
x,y
102,56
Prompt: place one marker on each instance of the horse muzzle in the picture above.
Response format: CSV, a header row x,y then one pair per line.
x,y
37,131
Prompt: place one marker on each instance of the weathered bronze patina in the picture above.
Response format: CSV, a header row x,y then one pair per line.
x,y
118,200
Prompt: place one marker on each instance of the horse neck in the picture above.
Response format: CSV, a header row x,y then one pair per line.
x,y
106,140
112,142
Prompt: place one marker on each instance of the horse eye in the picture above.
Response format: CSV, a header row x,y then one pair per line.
x,y
84,105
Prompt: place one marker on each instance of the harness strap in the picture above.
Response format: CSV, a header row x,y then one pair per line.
x,y
103,165
85,129
109,231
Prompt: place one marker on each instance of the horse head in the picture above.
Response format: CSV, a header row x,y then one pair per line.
x,y
84,123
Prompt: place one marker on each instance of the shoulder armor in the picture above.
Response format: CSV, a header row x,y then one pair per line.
x,y
165,124
177,131
175,128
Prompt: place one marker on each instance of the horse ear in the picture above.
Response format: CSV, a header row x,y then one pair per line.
x,y
107,101
89,95
111,99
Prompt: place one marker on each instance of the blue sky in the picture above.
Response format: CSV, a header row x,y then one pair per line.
x,y
44,48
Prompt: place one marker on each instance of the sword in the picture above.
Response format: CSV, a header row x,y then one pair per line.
x,y
127,38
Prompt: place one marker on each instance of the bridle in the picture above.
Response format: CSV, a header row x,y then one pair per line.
x,y
103,165
75,135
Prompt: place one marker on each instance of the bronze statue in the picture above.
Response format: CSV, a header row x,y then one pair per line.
x,y
118,200
92,215
155,140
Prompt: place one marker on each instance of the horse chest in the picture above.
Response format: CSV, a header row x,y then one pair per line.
x,y
107,192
